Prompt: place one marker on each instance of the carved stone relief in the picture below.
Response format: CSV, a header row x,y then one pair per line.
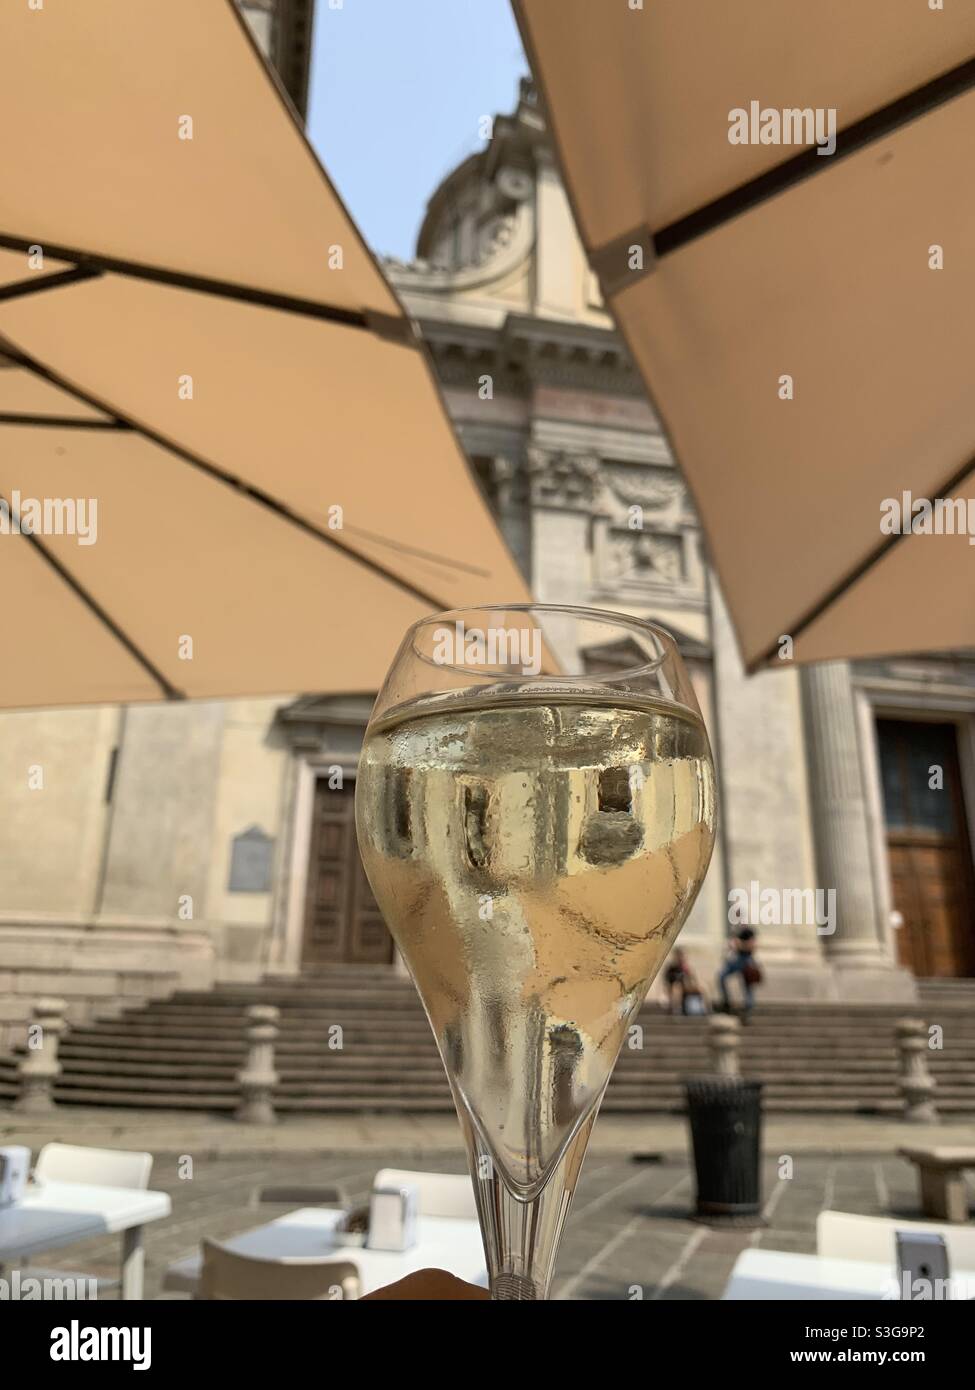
x,y
560,479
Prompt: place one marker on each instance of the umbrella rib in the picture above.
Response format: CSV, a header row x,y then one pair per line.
x,y
38,284
256,494
883,548
170,691
91,264
802,166
61,422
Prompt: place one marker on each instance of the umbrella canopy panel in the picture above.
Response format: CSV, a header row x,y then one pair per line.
x,y
172,584
194,336
759,263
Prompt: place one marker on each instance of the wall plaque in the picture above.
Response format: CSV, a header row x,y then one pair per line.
x,y
250,861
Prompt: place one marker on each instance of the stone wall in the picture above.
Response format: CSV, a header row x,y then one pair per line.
x,y
98,972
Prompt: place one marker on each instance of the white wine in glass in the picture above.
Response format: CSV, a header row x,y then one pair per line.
x,y
535,841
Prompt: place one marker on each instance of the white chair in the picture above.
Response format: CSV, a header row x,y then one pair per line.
x,y
94,1167
439,1194
297,1195
227,1275
842,1236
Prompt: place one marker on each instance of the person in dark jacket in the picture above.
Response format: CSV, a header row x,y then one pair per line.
x,y
741,961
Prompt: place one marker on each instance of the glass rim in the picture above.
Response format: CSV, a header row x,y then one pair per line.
x,y
665,640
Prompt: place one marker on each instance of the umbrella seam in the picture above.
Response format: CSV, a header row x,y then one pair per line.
x,y
414,550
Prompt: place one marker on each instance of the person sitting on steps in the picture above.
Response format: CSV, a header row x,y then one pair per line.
x,y
683,988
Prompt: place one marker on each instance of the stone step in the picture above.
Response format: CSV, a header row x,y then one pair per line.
x,y
311,1054
652,1025
345,1072
365,1103
371,997
794,1058
762,1021
367,1030
341,1080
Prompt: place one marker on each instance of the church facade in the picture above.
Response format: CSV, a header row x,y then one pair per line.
x,y
174,846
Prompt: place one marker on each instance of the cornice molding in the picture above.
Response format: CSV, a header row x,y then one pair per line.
x,y
528,351
351,711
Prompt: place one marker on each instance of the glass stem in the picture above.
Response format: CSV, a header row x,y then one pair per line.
x,y
521,1236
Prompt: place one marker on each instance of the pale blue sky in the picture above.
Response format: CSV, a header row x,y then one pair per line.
x,y
397,90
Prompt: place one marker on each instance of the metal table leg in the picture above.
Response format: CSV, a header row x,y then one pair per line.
x,y
133,1263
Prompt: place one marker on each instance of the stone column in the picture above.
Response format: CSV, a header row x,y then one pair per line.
x,y
856,948
763,815
514,517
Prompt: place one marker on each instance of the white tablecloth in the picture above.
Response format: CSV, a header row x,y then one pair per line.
x,y
309,1234
58,1213
778,1275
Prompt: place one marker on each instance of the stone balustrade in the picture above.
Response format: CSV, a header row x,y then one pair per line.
x,y
40,1068
258,1078
724,1043
917,1086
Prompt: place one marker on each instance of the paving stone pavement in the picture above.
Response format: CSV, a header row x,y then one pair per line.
x,y
161,1131
629,1233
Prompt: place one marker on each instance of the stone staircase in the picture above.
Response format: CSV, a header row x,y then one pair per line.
x,y
935,993
184,1052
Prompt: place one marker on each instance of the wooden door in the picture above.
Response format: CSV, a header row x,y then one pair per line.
x,y
342,919
929,848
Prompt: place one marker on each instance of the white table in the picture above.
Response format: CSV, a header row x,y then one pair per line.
x,y
443,1242
52,1214
778,1275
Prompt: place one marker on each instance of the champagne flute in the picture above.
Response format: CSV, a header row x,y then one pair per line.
x,y
535,808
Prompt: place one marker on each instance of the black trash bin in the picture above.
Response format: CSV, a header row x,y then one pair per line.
x,y
725,1116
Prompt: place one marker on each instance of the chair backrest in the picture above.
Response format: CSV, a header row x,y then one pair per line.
x,y
97,1167
843,1236
304,1195
227,1275
439,1194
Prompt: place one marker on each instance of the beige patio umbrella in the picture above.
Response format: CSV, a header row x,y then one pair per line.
x,y
195,339
809,359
